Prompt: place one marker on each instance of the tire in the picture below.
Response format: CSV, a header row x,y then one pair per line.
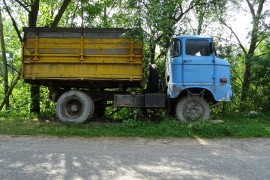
x,y
153,79
192,108
74,107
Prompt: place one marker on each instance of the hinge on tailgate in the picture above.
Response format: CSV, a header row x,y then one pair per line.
x,y
82,53
36,50
131,55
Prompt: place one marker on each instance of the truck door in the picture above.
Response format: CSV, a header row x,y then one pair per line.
x,y
198,62
173,70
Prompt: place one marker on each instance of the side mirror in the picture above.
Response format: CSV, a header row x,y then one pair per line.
x,y
212,48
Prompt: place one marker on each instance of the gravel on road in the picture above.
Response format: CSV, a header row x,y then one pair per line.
x,y
25,157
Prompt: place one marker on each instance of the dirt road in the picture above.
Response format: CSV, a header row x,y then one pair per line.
x,y
127,158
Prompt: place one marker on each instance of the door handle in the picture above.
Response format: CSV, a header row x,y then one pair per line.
x,y
187,61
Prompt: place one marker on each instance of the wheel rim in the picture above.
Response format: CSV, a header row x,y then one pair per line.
x,y
72,108
192,111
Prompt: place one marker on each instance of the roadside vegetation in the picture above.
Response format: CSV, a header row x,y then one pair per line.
x,y
125,125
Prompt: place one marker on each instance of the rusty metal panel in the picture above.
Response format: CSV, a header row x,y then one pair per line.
x,y
128,100
147,100
154,100
73,32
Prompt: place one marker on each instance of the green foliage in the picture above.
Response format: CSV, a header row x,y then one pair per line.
x,y
260,77
45,18
234,125
47,106
20,102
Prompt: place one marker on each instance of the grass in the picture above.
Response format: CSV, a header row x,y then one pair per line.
x,y
234,125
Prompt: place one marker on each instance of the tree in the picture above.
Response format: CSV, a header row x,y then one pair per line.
x,y
202,18
32,9
260,79
5,65
258,33
159,21
257,36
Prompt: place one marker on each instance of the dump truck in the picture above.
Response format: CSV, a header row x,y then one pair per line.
x,y
84,68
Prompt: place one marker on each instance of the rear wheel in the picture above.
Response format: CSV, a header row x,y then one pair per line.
x,y
74,107
192,108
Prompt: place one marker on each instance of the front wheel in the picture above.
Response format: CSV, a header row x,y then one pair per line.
x,y
75,107
192,108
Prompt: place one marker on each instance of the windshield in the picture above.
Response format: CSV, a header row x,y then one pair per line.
x,y
197,47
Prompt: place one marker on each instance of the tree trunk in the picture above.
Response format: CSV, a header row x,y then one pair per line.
x,y
60,13
5,67
253,45
152,51
35,89
13,84
246,81
105,18
201,16
35,99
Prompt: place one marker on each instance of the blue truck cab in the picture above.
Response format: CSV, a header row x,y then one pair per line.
x,y
195,77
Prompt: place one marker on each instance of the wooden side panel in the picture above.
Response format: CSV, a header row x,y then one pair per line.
x,y
84,54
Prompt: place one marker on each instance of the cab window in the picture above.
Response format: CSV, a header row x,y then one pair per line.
x,y
197,47
175,49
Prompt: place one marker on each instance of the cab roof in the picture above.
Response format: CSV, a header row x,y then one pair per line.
x,y
192,37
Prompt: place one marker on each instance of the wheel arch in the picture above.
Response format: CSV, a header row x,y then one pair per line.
x,y
198,91
179,94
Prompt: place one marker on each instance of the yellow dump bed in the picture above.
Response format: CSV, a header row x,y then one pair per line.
x,y
79,57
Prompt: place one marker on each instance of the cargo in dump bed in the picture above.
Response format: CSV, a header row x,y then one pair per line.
x,y
76,57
